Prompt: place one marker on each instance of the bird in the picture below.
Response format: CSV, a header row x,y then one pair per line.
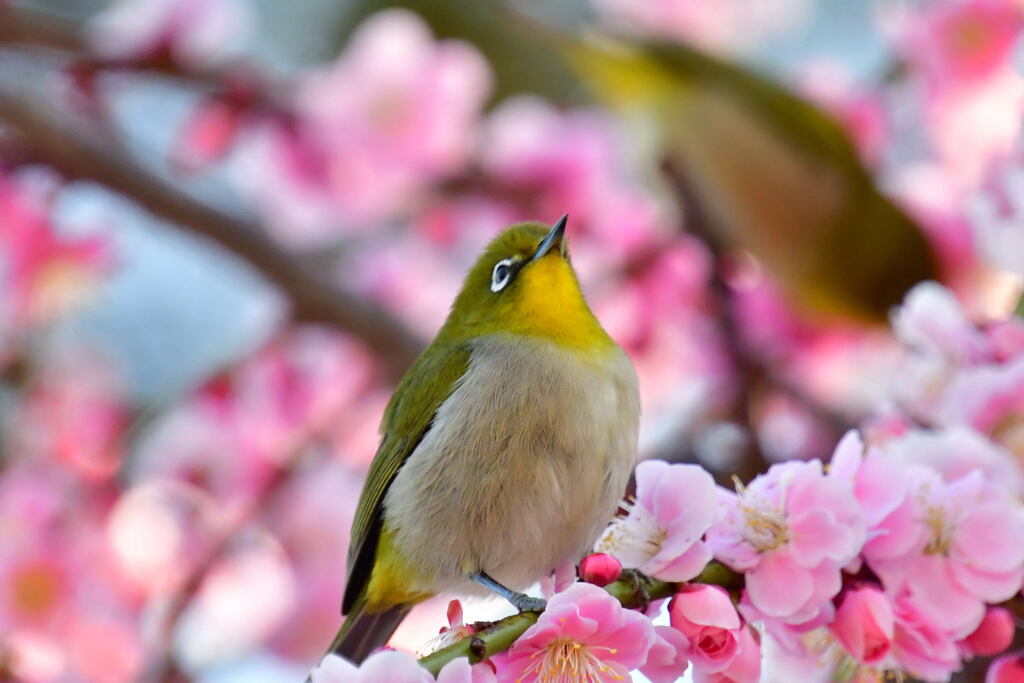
x,y
505,449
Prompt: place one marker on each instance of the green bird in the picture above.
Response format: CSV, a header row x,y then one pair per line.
x,y
774,174
505,449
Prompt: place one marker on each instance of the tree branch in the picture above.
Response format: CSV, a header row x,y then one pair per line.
x,y
634,591
63,143
23,26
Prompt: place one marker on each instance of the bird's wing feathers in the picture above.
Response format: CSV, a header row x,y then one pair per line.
x,y
427,384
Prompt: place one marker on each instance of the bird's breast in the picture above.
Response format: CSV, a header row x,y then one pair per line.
x,y
523,464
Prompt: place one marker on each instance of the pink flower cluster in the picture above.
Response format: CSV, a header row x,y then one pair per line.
x,y
368,134
44,274
586,635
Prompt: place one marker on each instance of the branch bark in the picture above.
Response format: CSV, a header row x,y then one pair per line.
x,y
62,142
23,26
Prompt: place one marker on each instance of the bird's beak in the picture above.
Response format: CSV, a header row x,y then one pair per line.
x,y
553,238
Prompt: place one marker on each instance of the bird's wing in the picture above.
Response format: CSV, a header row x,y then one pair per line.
x,y
427,384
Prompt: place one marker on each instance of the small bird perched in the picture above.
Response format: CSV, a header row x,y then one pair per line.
x,y
505,448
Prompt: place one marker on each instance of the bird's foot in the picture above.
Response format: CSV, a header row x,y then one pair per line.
x,y
527,603
521,601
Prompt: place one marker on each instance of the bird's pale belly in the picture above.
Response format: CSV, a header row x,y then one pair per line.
x,y
523,467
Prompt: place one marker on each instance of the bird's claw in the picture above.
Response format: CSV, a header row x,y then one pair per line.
x,y
527,603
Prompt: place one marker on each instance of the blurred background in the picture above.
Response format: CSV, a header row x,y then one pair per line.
x,y
228,226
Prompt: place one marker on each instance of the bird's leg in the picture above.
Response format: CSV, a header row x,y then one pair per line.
x,y
521,601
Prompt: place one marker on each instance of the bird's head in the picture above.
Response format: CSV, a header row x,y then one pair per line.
x,y
523,284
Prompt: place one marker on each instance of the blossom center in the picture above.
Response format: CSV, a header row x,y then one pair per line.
x,y
969,37
36,588
634,539
941,531
765,529
713,641
567,661
1009,432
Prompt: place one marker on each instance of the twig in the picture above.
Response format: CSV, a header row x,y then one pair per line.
x,y
60,140
24,27
631,593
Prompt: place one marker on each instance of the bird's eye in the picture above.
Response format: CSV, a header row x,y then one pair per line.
x,y
501,275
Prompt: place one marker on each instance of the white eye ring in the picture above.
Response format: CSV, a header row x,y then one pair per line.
x,y
501,275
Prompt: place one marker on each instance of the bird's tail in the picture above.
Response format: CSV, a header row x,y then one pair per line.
x,y
363,632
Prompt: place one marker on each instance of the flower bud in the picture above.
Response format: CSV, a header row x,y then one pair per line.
x,y
707,617
600,569
993,635
864,625
1006,669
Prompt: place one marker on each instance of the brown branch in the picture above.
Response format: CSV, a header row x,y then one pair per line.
x,y
62,142
24,26
21,27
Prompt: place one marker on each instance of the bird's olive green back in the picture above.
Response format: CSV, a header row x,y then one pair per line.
x,y
430,380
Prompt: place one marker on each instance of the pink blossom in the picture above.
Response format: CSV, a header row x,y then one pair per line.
x,y
44,274
387,666
159,532
583,635
105,650
600,569
943,548
969,131
208,134
392,666
454,631
941,341
706,616
990,398
790,531
75,413
932,321
38,590
877,481
745,666
396,112
863,625
959,43
997,209
223,621
922,646
956,452
661,535
666,660
461,671
571,162
1006,669
994,634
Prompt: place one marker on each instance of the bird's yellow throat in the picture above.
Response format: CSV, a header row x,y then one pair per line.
x,y
549,305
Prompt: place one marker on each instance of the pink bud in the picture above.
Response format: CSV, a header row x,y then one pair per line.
x,y
707,617
207,134
864,625
744,668
994,634
1006,669
600,569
